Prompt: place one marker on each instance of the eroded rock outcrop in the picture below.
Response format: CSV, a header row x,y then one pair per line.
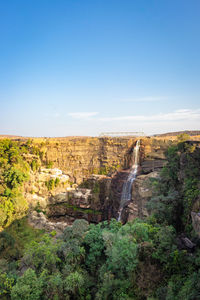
x,y
81,157
91,203
40,221
36,190
153,154
141,193
64,203
98,196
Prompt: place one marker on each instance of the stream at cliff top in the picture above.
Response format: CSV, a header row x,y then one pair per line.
x,y
126,191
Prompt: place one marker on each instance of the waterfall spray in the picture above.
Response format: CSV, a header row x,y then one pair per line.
x,y
126,191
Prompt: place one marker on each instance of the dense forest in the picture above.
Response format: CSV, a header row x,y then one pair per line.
x,y
154,258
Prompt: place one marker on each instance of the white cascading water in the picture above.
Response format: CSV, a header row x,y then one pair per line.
x,y
126,191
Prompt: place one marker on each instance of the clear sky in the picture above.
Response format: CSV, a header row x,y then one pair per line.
x,y
81,67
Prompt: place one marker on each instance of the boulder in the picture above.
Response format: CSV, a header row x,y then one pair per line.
x,y
39,221
35,200
58,198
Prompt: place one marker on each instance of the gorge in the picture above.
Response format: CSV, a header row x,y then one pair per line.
x,y
100,218
100,174
94,177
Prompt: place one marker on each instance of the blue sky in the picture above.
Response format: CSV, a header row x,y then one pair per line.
x,y
81,67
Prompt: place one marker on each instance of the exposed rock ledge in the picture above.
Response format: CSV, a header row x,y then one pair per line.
x,y
39,221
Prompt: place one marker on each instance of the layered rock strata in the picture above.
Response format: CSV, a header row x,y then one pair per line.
x,y
152,160
81,157
97,197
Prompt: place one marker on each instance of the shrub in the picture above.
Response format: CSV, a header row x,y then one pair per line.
x,y
50,184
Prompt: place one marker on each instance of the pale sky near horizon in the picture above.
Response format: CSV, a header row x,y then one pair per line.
x,y
82,67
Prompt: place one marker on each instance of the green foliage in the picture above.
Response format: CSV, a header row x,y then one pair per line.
x,y
175,195
13,173
94,246
105,261
16,238
165,243
166,207
49,165
76,231
143,259
191,193
28,287
186,288
43,255
53,286
35,165
50,184
14,177
6,284
122,256
57,182
74,284
178,188
183,137
106,170
12,206
170,171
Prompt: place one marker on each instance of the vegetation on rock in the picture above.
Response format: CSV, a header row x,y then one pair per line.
x,y
14,172
143,259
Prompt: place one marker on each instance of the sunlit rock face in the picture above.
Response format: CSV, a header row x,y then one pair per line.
x,y
153,154
81,157
36,191
74,161
82,191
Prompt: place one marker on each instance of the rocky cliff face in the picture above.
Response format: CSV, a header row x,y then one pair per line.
x,y
93,197
141,194
55,209
80,157
152,159
153,154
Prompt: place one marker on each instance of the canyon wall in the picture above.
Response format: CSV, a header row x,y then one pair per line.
x,y
80,157
96,169
152,160
88,164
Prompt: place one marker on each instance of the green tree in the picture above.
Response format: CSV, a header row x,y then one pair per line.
x,y
183,137
74,284
94,245
28,287
43,255
6,283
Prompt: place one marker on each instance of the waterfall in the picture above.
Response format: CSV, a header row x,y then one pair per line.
x,y
126,191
